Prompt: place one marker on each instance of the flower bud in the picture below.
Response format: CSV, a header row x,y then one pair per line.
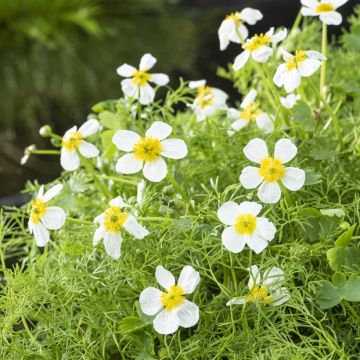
x,y
45,131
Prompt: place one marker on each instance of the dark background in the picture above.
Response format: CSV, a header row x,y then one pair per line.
x,y
58,58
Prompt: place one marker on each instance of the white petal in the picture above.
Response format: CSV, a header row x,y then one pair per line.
x,y
225,29
118,201
250,178
88,150
254,276
273,277
250,15
125,139
189,279
147,62
98,235
188,314
249,98
129,88
112,243
69,160
256,243
159,79
150,301
233,114
338,3
89,128
285,150
54,218
292,80
51,193
134,228
250,207
232,240
308,12
40,193
155,171
294,178
228,212
241,60
262,54
280,296
308,67
280,75
147,94
265,228
236,301
129,164
41,234
197,83
166,322
164,277
310,3
126,70
159,130
312,54
269,193
256,150
174,148
242,31
279,36
331,18
289,101
264,123
239,124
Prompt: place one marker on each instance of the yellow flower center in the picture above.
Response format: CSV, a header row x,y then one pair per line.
x,y
250,112
173,298
205,101
141,77
293,62
259,293
148,149
245,224
204,91
114,219
235,18
324,7
256,42
73,141
271,169
38,210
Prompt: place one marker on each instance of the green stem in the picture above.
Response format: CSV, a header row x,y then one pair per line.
x,y
233,273
88,166
120,179
28,331
55,136
79,221
296,23
151,218
323,65
177,186
45,152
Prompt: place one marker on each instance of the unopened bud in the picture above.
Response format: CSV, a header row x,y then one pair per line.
x,y
344,225
27,153
45,131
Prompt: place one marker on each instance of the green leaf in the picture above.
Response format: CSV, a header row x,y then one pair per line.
x,y
327,295
110,120
130,324
333,212
308,212
351,291
324,154
339,280
345,238
109,149
311,177
304,116
108,105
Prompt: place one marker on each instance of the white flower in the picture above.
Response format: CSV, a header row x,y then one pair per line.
x,y
137,85
140,192
302,64
44,217
171,307
208,99
250,111
259,47
267,290
272,170
112,221
146,152
289,101
27,154
233,29
325,9
245,227
73,142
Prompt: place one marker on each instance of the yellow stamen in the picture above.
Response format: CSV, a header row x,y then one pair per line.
x,y
73,141
173,298
141,77
114,219
324,7
38,210
205,101
204,91
148,149
294,61
271,169
256,42
245,224
250,112
259,293
235,18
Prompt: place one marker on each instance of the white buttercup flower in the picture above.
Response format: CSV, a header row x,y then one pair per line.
x,y
137,85
250,112
245,227
208,99
73,142
259,47
302,64
325,9
44,217
146,152
267,289
112,221
272,170
170,306
289,101
233,29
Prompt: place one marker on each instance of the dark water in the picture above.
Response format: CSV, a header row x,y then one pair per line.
x,y
183,36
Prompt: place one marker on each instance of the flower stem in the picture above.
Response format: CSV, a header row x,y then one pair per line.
x,y
120,179
88,166
177,186
45,152
233,273
323,65
151,218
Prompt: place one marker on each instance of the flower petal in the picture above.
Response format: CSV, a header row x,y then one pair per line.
x,y
88,150
52,192
188,314
159,130
196,83
147,62
150,301
164,277
310,3
239,124
250,178
129,88
118,201
308,67
262,54
89,128
280,75
228,212
155,171
232,240
250,207
41,234
269,193
249,98
98,235
69,160
265,228
280,296
292,80
112,243
126,70
305,11
129,164
273,277
174,148
189,279
125,140
134,228
256,150
294,178
264,123
254,276
241,60
236,301
54,218
159,79
147,94
331,18
285,150
166,323
256,243
250,15
225,29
